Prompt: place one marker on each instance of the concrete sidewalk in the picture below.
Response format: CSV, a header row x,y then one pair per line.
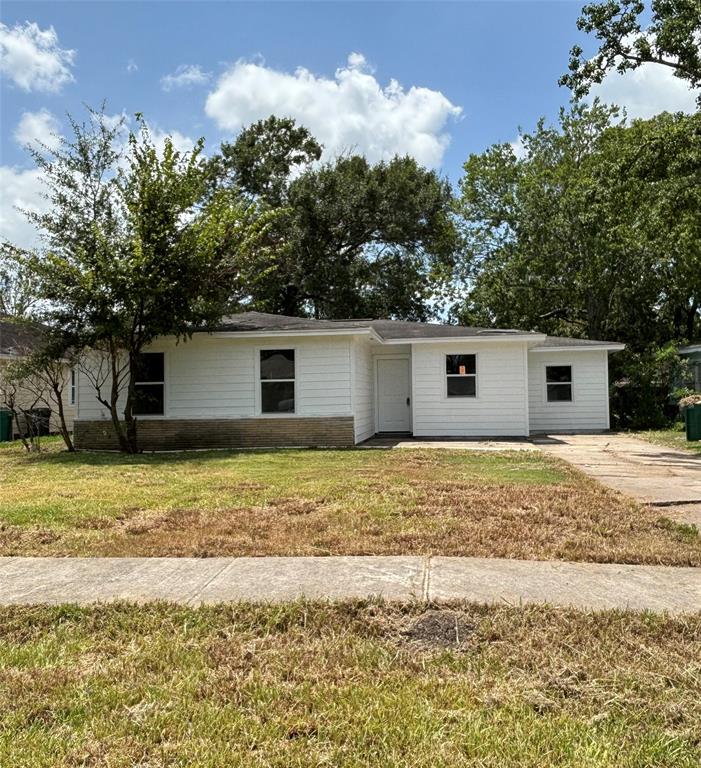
x,y
193,581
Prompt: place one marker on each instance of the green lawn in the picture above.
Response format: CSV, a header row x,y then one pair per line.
x,y
351,684
675,437
305,502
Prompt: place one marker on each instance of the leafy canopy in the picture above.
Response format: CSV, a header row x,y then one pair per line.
x,y
672,39
594,232
355,238
136,245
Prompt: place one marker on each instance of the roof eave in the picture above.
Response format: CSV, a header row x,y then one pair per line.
x,y
475,338
612,347
300,332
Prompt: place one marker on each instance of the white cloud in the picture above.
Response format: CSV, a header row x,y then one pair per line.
x,y
181,142
518,147
112,121
38,128
132,66
20,189
32,59
646,91
352,111
185,76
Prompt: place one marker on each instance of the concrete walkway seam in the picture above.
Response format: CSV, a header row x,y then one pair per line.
x,y
193,581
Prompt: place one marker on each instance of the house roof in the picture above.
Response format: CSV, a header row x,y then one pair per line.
x,y
15,339
244,322
388,330
565,342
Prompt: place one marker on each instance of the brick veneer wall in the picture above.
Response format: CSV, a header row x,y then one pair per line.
x,y
179,434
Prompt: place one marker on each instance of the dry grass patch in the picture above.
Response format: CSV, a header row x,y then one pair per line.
x,y
351,684
520,504
674,437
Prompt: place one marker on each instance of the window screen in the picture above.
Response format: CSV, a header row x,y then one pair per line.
x,y
461,375
149,389
277,380
558,383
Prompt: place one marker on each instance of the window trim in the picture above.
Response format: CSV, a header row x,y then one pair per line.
x,y
259,381
545,383
162,383
446,376
73,386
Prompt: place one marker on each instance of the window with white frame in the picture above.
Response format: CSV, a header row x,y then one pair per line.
x,y
73,383
558,383
277,380
149,387
461,375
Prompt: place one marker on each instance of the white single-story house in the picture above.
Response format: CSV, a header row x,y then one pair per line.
x,y
260,380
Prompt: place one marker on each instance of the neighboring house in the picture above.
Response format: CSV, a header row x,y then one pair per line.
x,y
260,380
15,342
693,353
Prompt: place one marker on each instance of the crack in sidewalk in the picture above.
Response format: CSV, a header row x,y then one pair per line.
x,y
426,585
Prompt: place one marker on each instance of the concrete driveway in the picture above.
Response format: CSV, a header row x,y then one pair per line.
x,y
653,474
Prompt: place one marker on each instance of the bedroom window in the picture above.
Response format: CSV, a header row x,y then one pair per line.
x,y
149,388
558,383
72,400
461,375
277,380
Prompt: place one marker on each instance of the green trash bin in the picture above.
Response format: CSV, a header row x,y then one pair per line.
x,y
5,425
692,419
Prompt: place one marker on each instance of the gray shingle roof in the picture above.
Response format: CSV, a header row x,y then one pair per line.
x,y
16,339
386,329
263,321
565,341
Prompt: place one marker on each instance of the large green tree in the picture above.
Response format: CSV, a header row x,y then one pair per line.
x,y
592,232
135,247
354,238
666,33
264,156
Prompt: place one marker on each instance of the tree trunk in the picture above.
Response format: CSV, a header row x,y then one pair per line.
x,y
691,319
129,419
290,301
124,446
27,444
63,429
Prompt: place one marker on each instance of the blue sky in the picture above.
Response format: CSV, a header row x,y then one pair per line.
x,y
467,74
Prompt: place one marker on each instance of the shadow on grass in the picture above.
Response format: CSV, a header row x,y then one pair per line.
x,y
114,458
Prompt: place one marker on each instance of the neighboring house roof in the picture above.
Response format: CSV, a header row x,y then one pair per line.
x,y
16,339
690,350
389,330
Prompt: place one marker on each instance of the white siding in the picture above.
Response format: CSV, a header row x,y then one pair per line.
x,y
324,376
589,407
501,404
363,390
87,407
28,399
211,377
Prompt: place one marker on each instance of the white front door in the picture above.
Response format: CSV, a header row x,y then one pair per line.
x,y
393,395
